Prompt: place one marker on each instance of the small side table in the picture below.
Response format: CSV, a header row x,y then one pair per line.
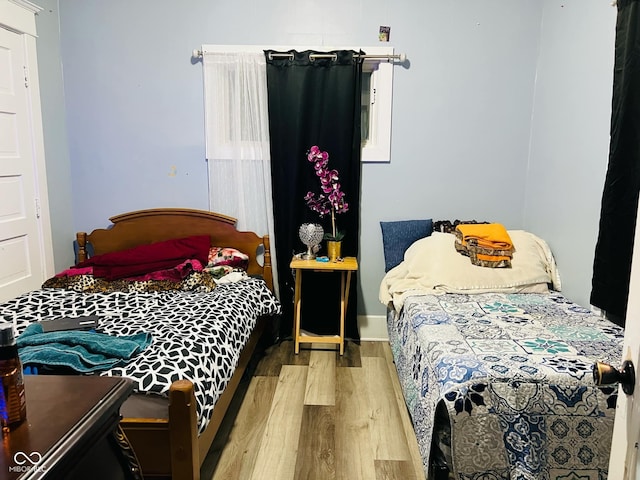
x,y
346,267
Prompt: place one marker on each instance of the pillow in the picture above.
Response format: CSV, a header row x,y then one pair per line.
x,y
226,256
399,235
147,258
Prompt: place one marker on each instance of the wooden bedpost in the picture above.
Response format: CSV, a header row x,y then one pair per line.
x,y
183,425
81,238
268,273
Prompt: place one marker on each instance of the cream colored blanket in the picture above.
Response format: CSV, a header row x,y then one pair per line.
x,y
432,265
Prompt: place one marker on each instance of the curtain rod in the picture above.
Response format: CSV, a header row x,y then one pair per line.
x,y
400,57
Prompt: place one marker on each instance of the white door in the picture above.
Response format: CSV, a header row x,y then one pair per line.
x,y
626,431
21,250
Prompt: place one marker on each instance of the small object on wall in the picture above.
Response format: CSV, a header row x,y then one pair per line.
x,y
385,33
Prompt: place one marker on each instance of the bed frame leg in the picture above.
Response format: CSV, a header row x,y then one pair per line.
x,y
185,461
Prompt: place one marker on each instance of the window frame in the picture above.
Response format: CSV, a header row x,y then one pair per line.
x,y
378,147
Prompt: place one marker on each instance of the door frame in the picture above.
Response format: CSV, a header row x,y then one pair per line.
x,y
18,16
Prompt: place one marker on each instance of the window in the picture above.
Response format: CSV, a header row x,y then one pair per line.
x,y
377,92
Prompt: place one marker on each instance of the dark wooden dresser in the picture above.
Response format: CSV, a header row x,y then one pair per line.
x,y
70,430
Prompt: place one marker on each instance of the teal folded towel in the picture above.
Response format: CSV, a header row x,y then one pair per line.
x,y
81,351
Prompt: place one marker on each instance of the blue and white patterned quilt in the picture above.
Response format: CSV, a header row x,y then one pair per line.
x,y
514,372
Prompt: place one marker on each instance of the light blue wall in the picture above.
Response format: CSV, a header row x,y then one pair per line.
x,y
570,135
462,109
461,121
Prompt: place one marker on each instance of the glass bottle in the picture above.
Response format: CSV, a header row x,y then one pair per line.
x,y
13,405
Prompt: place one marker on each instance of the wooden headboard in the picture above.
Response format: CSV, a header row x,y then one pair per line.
x,y
143,227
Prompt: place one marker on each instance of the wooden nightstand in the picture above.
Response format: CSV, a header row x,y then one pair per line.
x,y
69,430
346,267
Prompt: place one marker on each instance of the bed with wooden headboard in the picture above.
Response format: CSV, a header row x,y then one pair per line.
x,y
166,429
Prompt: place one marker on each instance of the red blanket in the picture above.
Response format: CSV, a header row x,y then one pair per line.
x,y
148,258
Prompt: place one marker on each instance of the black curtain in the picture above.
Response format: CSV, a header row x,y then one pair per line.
x,y
614,248
314,101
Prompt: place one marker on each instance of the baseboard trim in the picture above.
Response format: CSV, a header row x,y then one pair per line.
x,y
373,328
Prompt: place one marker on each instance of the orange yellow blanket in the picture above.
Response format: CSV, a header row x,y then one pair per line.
x,y
487,244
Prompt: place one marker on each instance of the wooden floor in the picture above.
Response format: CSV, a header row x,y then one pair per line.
x,y
317,415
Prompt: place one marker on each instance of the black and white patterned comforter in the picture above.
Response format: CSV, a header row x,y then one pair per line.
x,y
514,372
196,336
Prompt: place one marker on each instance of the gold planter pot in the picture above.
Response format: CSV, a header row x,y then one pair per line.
x,y
334,250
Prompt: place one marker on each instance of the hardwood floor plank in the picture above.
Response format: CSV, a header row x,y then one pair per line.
x,y
278,449
354,455
276,436
412,443
317,445
387,434
239,454
394,470
321,378
351,357
278,355
372,349
271,363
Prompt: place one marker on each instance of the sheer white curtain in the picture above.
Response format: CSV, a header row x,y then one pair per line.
x,y
237,138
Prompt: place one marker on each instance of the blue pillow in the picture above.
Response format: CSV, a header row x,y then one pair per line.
x,y
399,235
